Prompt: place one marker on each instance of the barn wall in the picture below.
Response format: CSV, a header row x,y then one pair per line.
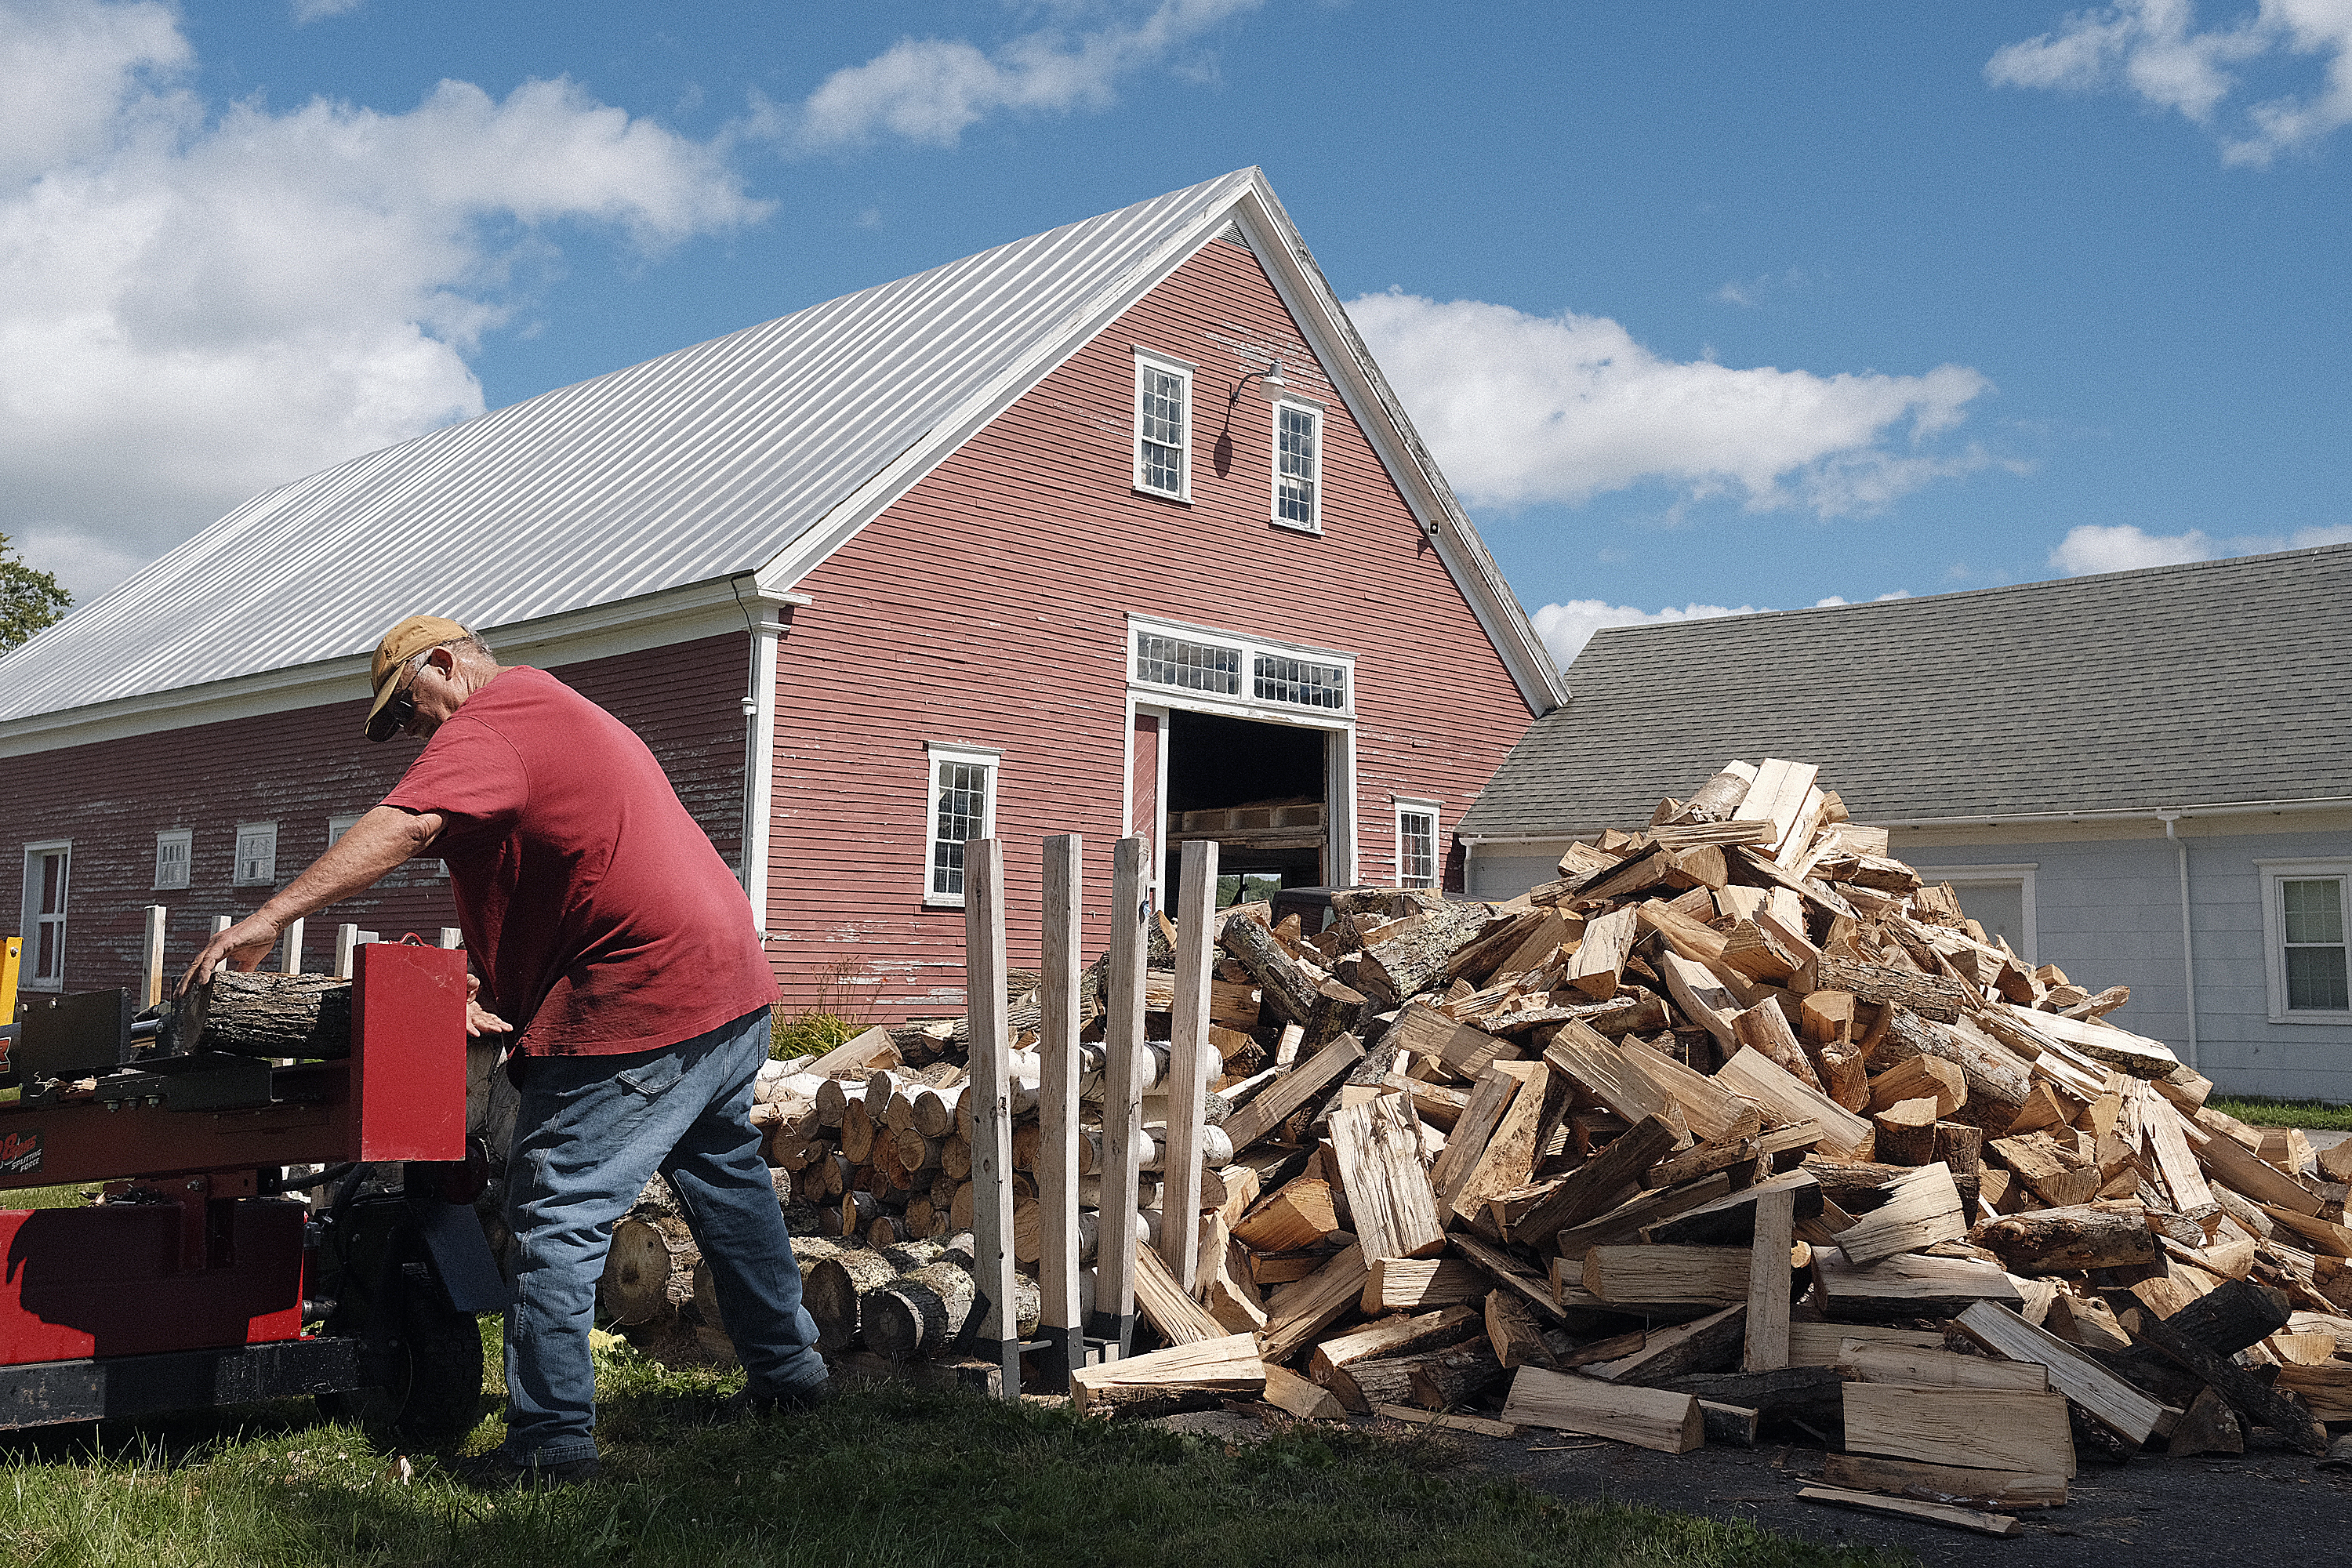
x,y
297,769
988,608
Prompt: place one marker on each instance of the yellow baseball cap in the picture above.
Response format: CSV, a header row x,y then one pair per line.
x,y
402,643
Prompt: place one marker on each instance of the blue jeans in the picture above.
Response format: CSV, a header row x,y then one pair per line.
x,y
590,1132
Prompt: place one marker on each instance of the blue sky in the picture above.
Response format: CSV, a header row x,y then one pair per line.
x,y
1709,306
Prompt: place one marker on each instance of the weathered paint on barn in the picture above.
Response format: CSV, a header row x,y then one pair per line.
x,y
988,607
299,769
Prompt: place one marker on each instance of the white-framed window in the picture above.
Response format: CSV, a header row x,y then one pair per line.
x,y
173,849
256,855
1163,425
1298,465
2306,920
1998,897
962,807
1420,863
48,875
338,826
1244,671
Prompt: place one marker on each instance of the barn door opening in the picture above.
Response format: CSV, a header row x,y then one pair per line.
x,y
1261,790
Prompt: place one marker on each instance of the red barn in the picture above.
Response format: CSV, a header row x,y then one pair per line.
x,y
1117,528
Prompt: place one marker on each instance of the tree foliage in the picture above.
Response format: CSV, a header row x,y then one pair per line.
x,y
29,600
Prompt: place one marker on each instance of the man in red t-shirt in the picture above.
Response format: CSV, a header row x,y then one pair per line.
x,y
598,918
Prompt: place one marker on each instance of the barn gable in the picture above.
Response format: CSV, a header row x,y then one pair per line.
x,y
627,510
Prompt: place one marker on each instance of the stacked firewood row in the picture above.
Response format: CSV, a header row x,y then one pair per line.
x,y
1735,1122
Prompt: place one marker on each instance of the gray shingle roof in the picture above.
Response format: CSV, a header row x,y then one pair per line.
x,y
2221,682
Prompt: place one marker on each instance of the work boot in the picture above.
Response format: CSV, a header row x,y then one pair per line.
x,y
748,1405
495,1471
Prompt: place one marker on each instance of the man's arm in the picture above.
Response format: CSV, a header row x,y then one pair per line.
x,y
384,838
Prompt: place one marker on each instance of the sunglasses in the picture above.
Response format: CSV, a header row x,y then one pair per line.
x,y
394,717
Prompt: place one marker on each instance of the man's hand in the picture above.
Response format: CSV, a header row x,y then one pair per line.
x,y
480,1020
242,947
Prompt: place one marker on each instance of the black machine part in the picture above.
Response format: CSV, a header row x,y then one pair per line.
x,y
407,1272
73,1036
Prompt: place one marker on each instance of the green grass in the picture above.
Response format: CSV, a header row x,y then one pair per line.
x,y
807,1035
66,1197
885,1476
2259,1111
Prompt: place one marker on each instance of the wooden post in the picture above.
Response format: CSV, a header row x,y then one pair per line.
x,y
1057,1106
992,1130
222,923
1766,1331
1122,1106
151,985
344,940
452,937
293,960
1188,1061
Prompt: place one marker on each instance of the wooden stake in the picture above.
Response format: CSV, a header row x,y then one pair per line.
x,y
1058,1104
151,985
1122,1105
1188,1055
992,1138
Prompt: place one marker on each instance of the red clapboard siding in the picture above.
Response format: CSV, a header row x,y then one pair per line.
x,y
988,607
297,769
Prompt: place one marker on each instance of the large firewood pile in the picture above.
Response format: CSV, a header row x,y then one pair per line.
x,y
1735,1123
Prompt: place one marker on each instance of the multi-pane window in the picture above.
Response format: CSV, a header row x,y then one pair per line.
x,y
1196,666
1299,681
2311,920
1257,674
256,855
172,849
1163,426
1298,466
49,870
1417,861
962,808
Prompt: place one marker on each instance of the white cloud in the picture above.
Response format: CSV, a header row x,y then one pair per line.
x,y
931,90
1526,409
1749,292
1566,628
2094,547
2154,48
320,10
202,304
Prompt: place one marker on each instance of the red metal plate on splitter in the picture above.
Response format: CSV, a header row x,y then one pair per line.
x,y
108,1281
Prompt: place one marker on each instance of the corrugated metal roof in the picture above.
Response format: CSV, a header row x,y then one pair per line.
x,y
702,464
2216,683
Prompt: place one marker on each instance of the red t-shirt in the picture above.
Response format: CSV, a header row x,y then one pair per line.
x,y
599,915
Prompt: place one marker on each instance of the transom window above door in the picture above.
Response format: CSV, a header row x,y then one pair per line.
x,y
1249,672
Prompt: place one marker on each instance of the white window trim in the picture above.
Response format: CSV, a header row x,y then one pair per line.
x,y
1314,410
936,753
2022,871
236,877
1184,491
1404,805
1246,705
26,978
185,838
2275,933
